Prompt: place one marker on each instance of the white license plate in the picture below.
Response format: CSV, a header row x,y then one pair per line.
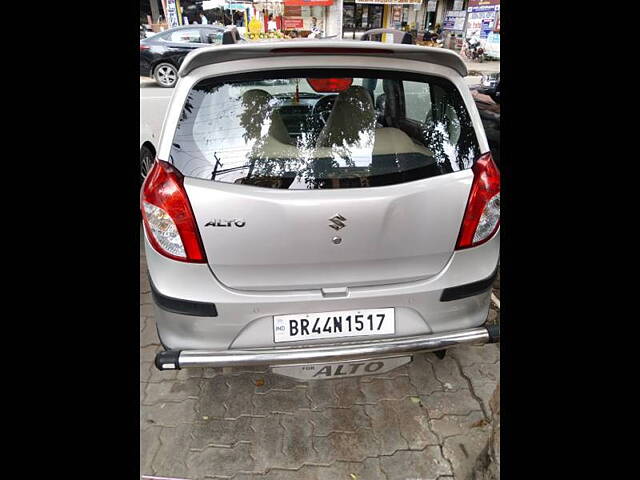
x,y
345,323
340,370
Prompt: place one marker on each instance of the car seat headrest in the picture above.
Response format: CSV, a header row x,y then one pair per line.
x,y
352,120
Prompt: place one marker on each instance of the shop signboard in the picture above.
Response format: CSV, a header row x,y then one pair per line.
x,y
308,3
487,27
482,3
292,11
454,20
391,2
484,8
292,24
172,14
492,45
431,5
481,20
210,4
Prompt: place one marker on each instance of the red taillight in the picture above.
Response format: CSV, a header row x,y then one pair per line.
x,y
324,85
482,216
144,47
168,217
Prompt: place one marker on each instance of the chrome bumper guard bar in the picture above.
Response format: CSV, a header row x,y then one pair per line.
x,y
177,359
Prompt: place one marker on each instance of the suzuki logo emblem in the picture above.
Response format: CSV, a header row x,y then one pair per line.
x,y
337,222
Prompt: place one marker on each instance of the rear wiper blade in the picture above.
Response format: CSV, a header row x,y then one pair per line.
x,y
227,170
215,167
300,94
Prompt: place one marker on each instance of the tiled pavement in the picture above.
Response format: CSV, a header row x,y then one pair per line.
x,y
427,420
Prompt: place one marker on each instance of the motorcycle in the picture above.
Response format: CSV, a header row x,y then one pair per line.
x,y
145,31
473,51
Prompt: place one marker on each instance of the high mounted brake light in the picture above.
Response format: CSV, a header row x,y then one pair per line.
x,y
329,85
331,50
482,215
167,215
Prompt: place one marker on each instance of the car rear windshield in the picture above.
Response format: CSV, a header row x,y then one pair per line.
x,y
343,129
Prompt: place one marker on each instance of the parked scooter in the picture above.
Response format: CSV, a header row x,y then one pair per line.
x,y
473,51
146,31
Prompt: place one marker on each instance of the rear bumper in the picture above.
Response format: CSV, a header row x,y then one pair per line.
x,y
177,359
243,320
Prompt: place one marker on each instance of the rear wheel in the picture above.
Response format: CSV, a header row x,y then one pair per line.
x,y
146,162
165,75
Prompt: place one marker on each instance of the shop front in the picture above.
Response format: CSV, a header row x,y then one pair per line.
x,y
362,15
217,12
303,17
453,24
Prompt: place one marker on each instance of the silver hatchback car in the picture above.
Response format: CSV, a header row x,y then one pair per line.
x,y
325,209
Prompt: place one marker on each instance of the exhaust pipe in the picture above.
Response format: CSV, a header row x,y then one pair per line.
x,y
494,333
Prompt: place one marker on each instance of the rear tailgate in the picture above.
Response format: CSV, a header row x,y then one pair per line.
x,y
392,234
370,191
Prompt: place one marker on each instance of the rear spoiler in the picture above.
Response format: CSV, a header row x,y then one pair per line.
x,y
228,53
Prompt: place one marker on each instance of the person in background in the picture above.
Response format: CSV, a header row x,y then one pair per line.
x,y
315,29
203,19
271,24
437,33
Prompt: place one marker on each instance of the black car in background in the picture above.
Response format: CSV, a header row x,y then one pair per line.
x,y
487,98
162,53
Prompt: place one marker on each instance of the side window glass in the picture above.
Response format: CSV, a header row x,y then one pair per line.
x,y
185,36
213,37
417,100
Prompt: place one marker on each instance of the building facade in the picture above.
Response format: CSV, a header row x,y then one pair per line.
x,y
454,20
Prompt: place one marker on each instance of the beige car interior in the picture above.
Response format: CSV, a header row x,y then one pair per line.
x,y
353,115
260,103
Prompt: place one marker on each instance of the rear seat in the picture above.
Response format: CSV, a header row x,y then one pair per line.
x,y
353,114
